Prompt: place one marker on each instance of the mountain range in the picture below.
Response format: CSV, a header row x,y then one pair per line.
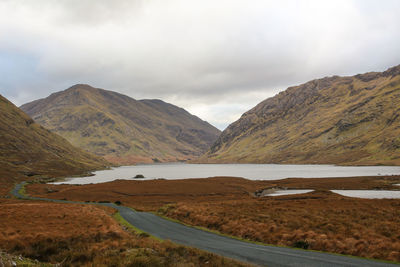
x,y
121,129
27,149
335,120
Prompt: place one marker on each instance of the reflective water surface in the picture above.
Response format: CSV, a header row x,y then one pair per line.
x,y
249,171
368,193
288,192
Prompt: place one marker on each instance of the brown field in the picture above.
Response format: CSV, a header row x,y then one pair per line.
x,y
153,194
85,235
319,220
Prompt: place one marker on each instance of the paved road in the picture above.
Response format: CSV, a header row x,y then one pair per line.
x,y
258,254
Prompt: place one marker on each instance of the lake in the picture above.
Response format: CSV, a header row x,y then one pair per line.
x,y
249,171
288,192
368,193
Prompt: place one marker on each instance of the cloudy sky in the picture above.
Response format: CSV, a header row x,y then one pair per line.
x,y
215,58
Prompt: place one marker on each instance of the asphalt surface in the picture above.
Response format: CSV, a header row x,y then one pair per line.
x,y
263,255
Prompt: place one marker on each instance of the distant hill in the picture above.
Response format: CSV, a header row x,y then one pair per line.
x,y
122,129
336,120
27,149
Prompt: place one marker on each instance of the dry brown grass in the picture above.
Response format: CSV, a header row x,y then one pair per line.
x,y
150,195
153,194
84,235
319,220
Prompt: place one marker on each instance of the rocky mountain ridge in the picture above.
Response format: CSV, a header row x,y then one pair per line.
x,y
334,120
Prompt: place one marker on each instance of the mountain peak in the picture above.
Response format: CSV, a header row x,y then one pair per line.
x,y
122,129
81,86
80,90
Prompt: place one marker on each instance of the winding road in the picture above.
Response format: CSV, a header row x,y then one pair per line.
x,y
264,255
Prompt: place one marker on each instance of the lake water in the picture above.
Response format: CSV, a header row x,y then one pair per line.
x,y
368,193
288,192
249,171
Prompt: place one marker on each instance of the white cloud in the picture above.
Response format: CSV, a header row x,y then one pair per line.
x,y
207,56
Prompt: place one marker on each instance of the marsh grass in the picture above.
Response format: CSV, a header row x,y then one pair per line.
x,y
364,228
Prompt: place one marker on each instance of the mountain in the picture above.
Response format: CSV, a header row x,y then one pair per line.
x,y
122,129
26,148
335,120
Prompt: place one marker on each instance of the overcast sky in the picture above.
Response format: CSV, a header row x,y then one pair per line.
x,y
215,58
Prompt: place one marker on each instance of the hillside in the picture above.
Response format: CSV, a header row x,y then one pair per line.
x,y
28,149
122,129
336,120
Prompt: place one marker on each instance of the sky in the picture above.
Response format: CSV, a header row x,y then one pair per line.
x,y
216,59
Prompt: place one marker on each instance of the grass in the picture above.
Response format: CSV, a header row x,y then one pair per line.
x,y
7,259
287,225
325,221
132,228
84,244
116,216
160,214
300,244
22,190
88,236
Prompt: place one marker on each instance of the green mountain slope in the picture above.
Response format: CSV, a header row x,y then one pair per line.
x,y
122,129
337,120
26,148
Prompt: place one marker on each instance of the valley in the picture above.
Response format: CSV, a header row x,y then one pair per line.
x,y
99,128
51,234
200,133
